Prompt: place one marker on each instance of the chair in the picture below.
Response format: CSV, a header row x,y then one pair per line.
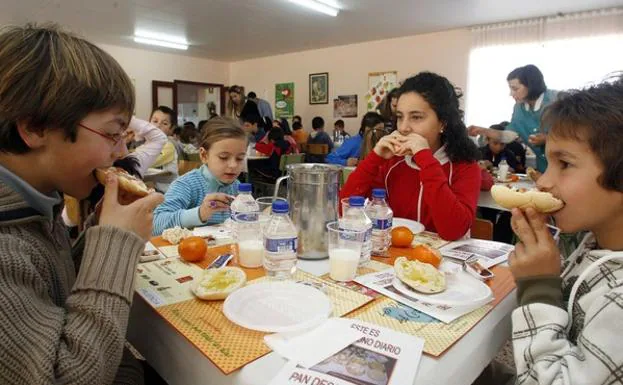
x,y
346,171
183,166
290,159
316,152
482,229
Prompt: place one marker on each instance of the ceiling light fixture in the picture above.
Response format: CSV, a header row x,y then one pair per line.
x,y
319,6
160,40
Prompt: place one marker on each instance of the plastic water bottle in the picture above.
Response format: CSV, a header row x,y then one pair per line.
x,y
355,218
280,242
381,216
503,169
244,202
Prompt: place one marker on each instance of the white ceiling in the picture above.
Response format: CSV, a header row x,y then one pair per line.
x,y
231,30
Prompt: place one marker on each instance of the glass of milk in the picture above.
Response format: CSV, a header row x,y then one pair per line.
x,y
250,241
344,251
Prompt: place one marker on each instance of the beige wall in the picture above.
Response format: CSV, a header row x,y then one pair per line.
x,y
144,66
446,53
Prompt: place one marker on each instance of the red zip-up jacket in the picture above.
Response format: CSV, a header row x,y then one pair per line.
x,y
446,193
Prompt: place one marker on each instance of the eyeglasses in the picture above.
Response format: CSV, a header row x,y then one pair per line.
x,y
114,138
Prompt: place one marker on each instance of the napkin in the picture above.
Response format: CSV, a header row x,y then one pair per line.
x,y
309,347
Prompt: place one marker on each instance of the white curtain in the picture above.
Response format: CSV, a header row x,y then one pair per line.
x,y
572,51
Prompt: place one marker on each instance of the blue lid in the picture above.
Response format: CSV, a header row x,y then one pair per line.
x,y
280,206
244,187
356,201
378,193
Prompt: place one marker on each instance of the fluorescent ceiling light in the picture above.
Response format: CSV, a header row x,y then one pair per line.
x,y
152,38
330,3
317,6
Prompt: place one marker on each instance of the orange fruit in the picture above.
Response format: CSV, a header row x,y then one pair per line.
x,y
514,178
401,236
192,249
425,254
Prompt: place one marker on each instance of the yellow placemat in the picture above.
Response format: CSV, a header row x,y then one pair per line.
x,y
230,346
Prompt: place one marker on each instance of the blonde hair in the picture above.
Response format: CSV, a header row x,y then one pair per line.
x,y
232,110
53,79
219,128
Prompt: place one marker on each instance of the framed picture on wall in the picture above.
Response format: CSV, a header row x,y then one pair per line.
x,y
319,88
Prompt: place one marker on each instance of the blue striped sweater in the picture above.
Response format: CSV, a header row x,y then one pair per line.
x,y
185,195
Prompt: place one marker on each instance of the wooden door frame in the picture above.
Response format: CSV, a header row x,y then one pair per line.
x,y
155,84
213,85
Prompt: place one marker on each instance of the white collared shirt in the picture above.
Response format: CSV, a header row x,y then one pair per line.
x,y
537,104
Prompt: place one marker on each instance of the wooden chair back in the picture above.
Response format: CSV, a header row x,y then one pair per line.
x,y
183,166
482,229
317,149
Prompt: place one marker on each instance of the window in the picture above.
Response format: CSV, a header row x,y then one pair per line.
x,y
568,63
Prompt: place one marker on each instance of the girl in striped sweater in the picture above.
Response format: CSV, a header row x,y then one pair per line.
x,y
202,196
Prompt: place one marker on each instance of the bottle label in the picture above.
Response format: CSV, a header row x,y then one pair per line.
x,y
381,224
281,245
244,217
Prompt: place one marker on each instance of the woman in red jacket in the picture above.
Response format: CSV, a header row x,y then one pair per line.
x,y
428,165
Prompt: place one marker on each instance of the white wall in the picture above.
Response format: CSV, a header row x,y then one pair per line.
x,y
446,53
144,66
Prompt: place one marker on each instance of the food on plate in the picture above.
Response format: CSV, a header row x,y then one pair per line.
x,y
533,174
425,254
127,182
192,249
176,234
402,236
421,277
356,366
376,371
509,197
217,284
514,177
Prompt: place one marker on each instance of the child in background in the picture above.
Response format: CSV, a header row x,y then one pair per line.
x,y
339,134
348,153
568,329
275,147
299,134
164,118
287,135
318,136
202,196
428,165
64,107
495,150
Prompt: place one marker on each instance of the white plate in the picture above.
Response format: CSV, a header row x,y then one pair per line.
x,y
462,290
415,226
277,307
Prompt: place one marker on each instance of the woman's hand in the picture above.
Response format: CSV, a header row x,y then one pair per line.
x,y
412,144
213,203
387,146
536,254
351,162
537,139
474,130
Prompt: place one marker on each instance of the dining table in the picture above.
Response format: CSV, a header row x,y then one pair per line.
x,y
178,361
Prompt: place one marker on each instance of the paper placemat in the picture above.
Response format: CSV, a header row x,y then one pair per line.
x,y
438,336
165,285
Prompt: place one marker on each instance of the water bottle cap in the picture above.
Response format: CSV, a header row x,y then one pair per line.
x,y
244,187
378,193
356,201
280,207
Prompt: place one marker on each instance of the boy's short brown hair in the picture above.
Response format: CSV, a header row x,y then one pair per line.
x,y
593,115
53,79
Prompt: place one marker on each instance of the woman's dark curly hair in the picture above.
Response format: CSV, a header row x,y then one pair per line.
x,y
443,98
